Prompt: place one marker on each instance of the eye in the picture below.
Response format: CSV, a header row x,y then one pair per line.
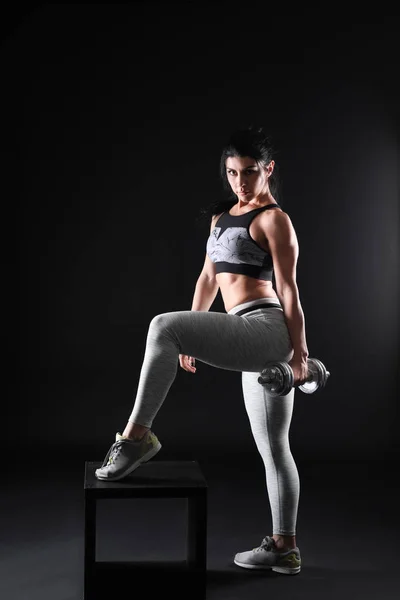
x,y
248,171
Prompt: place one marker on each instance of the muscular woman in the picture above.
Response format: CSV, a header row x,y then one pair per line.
x,y
249,241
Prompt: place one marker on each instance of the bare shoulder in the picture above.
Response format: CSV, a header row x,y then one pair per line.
x,y
276,217
277,224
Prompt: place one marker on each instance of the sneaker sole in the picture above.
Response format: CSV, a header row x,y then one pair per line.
x,y
284,570
135,465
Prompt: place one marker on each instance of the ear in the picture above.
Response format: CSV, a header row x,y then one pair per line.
x,y
270,168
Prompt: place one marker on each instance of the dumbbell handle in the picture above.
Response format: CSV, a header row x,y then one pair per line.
x,y
310,378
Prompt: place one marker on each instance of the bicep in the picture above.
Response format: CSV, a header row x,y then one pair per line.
x,y
284,248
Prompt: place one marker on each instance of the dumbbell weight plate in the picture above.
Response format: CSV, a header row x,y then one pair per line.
x,y
319,375
288,379
282,376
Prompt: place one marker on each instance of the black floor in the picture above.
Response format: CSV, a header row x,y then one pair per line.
x,y
347,531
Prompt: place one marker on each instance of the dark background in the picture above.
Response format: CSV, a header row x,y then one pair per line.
x,y
111,107
114,117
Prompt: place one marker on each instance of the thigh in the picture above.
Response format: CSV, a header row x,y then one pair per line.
x,y
226,341
269,416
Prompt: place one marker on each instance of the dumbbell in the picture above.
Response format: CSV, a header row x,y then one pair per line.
x,y
278,377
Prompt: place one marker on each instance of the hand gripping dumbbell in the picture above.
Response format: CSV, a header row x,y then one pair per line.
x,y
278,377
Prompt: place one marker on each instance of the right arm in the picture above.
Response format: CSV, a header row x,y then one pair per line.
x,y
204,295
207,286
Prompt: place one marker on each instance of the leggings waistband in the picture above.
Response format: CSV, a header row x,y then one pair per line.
x,y
253,305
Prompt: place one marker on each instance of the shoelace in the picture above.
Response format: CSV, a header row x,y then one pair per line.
x,y
267,544
114,452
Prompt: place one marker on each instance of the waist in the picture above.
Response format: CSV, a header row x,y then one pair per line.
x,y
252,305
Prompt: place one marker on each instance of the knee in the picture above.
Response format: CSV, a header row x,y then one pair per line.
x,y
159,322
166,326
163,324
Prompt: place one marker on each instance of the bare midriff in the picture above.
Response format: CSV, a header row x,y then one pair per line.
x,y
236,289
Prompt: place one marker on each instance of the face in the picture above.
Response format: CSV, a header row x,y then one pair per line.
x,y
247,178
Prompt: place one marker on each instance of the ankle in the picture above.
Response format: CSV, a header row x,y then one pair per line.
x,y
134,431
284,542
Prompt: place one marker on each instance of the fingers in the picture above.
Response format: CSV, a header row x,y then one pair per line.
x,y
190,364
187,363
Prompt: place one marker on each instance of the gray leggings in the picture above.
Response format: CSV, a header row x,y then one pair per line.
x,y
235,341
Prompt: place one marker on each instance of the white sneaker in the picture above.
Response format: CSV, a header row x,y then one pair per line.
x,y
126,455
267,556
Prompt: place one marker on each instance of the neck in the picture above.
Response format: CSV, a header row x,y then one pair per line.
x,y
256,202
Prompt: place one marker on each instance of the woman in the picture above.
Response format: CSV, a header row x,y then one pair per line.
x,y
251,239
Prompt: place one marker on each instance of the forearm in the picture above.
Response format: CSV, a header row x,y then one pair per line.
x,y
295,320
205,293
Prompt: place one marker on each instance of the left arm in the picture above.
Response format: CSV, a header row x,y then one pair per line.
x,y
294,316
284,248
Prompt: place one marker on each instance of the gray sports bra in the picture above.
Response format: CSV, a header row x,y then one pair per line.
x,y
233,250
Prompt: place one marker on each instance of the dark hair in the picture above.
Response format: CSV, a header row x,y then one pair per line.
x,y
253,142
